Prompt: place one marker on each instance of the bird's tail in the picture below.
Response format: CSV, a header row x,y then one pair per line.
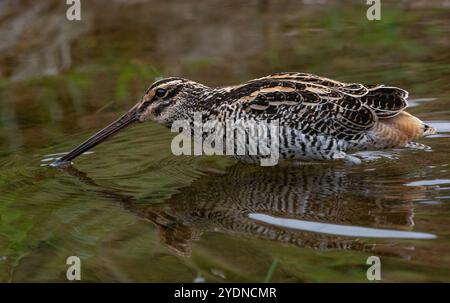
x,y
428,130
401,129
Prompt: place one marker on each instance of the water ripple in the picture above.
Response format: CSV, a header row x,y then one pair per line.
x,y
339,230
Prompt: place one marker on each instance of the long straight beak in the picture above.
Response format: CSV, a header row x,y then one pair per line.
x,y
127,119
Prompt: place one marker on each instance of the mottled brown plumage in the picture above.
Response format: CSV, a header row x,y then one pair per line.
x,y
320,118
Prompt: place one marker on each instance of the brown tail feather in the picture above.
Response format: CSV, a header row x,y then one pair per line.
x,y
401,129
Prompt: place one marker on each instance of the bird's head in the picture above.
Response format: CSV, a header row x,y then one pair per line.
x,y
169,99
165,101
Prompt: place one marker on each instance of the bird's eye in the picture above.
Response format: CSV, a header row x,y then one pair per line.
x,y
160,92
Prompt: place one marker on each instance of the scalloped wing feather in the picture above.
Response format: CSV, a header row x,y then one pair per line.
x,y
386,101
307,106
319,104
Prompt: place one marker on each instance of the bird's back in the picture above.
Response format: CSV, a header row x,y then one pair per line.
x,y
323,118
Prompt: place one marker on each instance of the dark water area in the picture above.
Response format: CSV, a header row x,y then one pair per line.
x,y
132,211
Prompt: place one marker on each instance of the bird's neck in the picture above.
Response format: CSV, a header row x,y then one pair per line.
x,y
201,99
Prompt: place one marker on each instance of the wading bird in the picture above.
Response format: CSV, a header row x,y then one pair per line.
x,y
319,118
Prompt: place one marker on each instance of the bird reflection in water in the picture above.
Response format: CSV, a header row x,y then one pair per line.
x,y
316,206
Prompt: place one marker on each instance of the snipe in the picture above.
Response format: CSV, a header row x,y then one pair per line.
x,y
320,118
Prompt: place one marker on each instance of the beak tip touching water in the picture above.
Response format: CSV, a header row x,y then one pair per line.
x,y
58,163
124,121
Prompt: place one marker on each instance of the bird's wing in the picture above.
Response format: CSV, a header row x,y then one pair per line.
x,y
334,109
316,104
352,89
386,101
